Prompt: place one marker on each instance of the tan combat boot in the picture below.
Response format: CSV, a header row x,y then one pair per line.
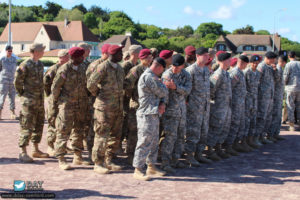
x,y
50,149
62,163
110,165
220,152
201,159
23,156
13,115
211,154
292,126
278,137
191,160
36,153
84,142
90,160
251,143
77,159
100,168
139,175
231,151
152,170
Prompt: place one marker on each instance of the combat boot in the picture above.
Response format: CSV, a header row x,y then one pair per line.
x,y
231,151
50,149
265,140
165,165
246,146
211,154
90,160
238,147
36,153
62,163
23,156
278,137
110,165
200,158
130,158
13,115
152,170
292,126
0,114
257,141
84,143
271,138
99,168
139,175
191,160
220,152
77,159
251,143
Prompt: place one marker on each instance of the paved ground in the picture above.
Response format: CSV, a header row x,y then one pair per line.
x,y
272,172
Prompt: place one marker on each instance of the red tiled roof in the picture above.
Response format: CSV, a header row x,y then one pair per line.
x,y
51,53
124,40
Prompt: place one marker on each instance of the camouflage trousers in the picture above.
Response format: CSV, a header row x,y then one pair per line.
x,y
126,122
148,138
108,131
69,120
51,131
264,115
89,130
197,128
237,125
132,131
276,116
293,103
172,141
32,117
219,124
7,89
250,116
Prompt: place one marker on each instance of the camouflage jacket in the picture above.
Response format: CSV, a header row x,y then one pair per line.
x,y
48,78
151,91
220,88
200,93
279,84
252,82
7,69
127,65
175,101
131,82
291,76
91,68
69,87
267,80
106,82
29,79
238,85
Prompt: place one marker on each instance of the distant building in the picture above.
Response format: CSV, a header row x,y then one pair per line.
x,y
54,35
250,44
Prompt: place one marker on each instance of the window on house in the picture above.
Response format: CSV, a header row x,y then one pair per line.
x,y
261,48
221,47
248,48
22,47
62,46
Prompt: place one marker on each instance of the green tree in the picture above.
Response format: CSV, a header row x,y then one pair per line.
x,y
90,20
289,45
81,8
207,28
185,31
153,32
70,14
262,32
100,13
52,8
244,30
160,43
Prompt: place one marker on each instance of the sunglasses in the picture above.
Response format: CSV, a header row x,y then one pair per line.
x,y
9,51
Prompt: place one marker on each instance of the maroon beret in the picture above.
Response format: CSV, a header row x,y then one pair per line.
x,y
76,52
104,48
219,52
144,53
165,54
190,50
233,61
113,49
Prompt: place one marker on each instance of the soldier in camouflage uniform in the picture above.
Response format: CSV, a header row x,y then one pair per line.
x,y
49,75
29,85
70,95
198,106
179,83
8,66
133,51
268,74
252,77
130,86
278,100
106,82
151,105
291,77
237,127
220,110
190,55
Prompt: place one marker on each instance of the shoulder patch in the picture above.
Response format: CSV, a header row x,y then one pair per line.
x,y
63,76
216,77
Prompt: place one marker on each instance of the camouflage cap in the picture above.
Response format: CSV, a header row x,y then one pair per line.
x,y
154,50
126,54
135,49
62,53
37,47
85,46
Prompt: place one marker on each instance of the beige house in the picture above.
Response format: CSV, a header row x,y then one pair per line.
x,y
250,44
54,35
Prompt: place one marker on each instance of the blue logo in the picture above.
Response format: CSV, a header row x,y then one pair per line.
x,y
19,186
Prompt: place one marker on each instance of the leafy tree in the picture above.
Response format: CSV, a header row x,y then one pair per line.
x,y
262,32
100,13
186,31
23,14
153,32
289,45
207,28
90,20
160,44
81,8
38,11
48,17
244,30
3,18
70,14
52,8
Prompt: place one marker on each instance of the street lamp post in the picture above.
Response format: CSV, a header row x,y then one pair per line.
x,y
9,24
283,9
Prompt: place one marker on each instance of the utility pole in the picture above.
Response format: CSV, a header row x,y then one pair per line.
x,y
9,23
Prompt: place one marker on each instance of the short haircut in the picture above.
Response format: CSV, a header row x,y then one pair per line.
x,y
283,58
292,54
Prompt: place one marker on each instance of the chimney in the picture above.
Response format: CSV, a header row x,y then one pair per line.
x,y
66,21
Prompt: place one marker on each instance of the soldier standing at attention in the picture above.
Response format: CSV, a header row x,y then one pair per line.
x,y
106,83
220,112
70,95
190,55
8,66
268,75
198,106
131,91
291,77
49,75
179,83
29,85
151,92
278,100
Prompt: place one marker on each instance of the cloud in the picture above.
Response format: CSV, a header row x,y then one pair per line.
x,y
190,11
283,31
227,11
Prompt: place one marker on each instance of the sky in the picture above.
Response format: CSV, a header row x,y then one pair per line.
x,y
284,15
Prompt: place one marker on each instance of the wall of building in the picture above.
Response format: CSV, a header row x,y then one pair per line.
x,y
17,47
42,37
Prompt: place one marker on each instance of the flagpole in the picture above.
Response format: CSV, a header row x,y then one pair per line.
x,y
9,24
